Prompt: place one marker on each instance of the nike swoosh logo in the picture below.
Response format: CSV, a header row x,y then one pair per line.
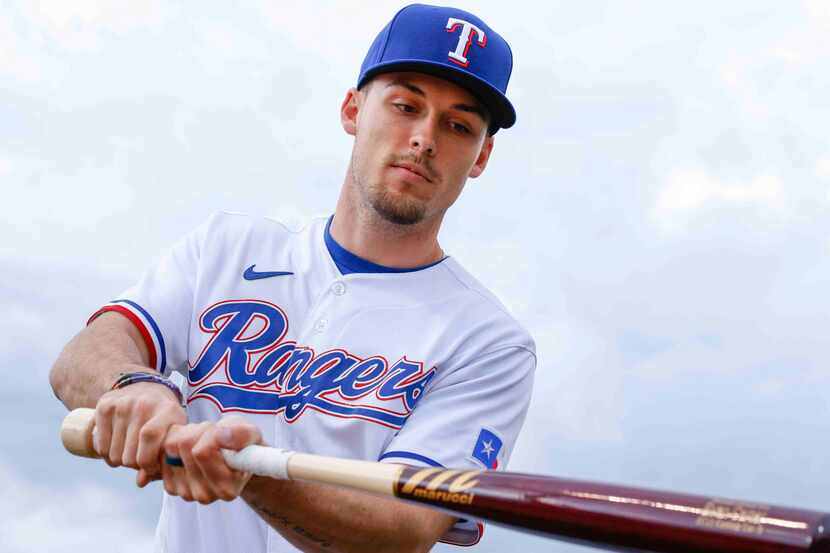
x,y
250,274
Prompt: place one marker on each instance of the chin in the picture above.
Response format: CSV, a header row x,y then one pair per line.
x,y
398,212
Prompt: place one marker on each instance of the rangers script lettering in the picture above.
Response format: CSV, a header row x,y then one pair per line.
x,y
267,375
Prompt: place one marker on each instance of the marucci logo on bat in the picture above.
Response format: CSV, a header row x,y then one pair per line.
x,y
439,485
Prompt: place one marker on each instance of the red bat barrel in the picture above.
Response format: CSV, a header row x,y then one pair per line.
x,y
616,517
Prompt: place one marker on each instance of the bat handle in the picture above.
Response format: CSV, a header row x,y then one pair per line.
x,y
78,429
260,460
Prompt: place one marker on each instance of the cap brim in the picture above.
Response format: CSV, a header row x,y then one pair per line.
x,y
501,110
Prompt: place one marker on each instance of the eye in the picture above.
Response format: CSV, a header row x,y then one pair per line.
x,y
460,128
405,108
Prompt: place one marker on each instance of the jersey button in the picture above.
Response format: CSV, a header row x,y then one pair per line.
x,y
338,288
321,325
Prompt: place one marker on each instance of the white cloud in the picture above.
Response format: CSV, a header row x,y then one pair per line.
x,y
823,171
564,409
6,167
78,198
50,209
42,517
222,45
807,44
78,25
688,358
573,364
738,72
771,68
487,260
19,60
19,319
323,31
26,34
690,191
771,387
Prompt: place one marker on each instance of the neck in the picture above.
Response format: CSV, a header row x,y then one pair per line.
x,y
362,231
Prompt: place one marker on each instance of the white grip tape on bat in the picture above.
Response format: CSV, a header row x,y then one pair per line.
x,y
260,460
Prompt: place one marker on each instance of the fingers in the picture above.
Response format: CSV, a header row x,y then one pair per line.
x,y
222,482
103,428
136,425
120,424
130,424
143,477
136,421
187,481
194,478
150,439
175,482
236,433
204,476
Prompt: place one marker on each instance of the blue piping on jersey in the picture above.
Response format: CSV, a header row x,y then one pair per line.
x,y
156,331
348,263
409,455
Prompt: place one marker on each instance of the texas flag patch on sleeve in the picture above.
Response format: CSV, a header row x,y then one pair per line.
x,y
487,449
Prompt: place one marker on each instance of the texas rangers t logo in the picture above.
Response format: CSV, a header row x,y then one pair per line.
x,y
465,40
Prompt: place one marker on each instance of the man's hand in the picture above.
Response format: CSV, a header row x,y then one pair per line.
x,y
131,424
205,477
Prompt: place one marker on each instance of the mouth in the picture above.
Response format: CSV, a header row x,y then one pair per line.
x,y
413,169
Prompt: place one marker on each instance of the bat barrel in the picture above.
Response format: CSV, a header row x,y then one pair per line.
x,y
821,538
619,518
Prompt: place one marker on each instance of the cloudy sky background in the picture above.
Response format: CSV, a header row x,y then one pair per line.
x,y
658,219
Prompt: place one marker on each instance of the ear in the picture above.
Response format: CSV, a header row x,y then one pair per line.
x,y
483,157
349,110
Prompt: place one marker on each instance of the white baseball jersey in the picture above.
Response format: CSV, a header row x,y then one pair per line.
x,y
328,354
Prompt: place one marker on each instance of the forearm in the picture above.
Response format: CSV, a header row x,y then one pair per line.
x,y
316,518
93,360
130,422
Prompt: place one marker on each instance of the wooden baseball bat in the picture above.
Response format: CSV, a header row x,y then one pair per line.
x,y
600,515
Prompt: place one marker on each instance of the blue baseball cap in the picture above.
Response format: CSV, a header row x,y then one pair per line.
x,y
451,44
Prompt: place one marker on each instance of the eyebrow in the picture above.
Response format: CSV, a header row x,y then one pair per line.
x,y
476,109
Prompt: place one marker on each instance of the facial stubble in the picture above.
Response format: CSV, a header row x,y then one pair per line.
x,y
389,206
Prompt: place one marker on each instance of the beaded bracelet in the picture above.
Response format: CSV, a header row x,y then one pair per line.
x,y
131,378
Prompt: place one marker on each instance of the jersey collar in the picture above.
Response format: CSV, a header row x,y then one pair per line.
x,y
348,263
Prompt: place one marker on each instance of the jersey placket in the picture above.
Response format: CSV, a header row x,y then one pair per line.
x,y
317,333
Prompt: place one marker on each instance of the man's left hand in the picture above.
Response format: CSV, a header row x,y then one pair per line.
x,y
205,477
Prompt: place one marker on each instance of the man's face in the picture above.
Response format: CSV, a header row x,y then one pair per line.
x,y
417,139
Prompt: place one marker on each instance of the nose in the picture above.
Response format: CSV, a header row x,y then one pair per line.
x,y
422,141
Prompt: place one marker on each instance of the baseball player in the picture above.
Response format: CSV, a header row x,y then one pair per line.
x,y
356,336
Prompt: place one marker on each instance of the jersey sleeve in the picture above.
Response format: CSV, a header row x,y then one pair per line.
x,y
160,304
469,419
